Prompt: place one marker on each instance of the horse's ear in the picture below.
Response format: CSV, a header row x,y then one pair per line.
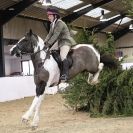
x,y
30,32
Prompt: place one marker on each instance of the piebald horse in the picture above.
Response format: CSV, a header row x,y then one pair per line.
x,y
47,72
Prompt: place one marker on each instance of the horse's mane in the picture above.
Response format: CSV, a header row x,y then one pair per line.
x,y
36,36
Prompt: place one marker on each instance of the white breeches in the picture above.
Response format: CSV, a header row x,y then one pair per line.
x,y
64,51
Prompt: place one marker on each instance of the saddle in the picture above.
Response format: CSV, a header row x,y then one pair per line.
x,y
56,56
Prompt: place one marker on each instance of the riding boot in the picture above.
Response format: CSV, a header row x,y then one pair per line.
x,y
65,69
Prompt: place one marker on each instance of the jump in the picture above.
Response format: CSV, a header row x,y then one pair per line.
x,y
82,57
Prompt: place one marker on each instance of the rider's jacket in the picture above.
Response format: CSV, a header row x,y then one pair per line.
x,y
59,32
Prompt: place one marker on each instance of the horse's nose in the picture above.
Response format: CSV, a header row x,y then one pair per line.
x,y
11,52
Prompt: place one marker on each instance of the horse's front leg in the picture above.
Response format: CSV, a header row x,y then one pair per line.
x,y
28,114
40,94
35,121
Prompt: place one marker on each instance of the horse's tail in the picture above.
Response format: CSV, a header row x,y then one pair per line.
x,y
109,61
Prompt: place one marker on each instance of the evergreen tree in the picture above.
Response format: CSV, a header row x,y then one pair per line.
x,y
112,96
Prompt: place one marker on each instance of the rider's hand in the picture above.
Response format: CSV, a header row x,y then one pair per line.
x,y
45,48
46,44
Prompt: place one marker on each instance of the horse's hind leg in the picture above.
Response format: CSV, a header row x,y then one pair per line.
x,y
96,75
90,76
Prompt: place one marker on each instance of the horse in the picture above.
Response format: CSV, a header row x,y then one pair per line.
x,y
46,70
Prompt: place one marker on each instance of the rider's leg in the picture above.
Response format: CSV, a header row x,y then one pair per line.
x,y
63,53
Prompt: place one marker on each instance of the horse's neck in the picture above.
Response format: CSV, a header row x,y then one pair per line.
x,y
39,54
40,45
38,58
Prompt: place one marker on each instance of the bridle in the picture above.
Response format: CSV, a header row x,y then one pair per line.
x,y
20,50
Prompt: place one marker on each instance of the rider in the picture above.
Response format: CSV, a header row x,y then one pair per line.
x,y
59,33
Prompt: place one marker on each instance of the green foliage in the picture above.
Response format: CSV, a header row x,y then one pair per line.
x,y
129,6
76,97
109,47
112,96
85,36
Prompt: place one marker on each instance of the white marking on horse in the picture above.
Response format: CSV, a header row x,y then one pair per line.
x,y
40,44
43,55
12,48
21,39
54,72
90,46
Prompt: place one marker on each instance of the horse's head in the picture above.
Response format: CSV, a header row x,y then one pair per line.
x,y
29,44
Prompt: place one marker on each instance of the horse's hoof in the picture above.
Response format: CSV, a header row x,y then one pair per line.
x,y
94,82
25,121
34,127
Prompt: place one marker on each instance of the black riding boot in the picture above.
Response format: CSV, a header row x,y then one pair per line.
x,y
65,69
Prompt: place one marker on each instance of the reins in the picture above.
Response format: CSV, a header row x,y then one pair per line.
x,y
33,54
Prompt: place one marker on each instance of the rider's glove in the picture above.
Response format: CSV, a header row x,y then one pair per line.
x,y
46,47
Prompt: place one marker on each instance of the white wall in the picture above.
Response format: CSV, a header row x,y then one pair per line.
x,y
12,88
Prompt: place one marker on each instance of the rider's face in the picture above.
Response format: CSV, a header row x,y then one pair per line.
x,y
50,17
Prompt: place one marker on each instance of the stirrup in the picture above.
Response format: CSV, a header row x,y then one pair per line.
x,y
63,77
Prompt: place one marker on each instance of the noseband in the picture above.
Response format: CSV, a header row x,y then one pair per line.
x,y
22,49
